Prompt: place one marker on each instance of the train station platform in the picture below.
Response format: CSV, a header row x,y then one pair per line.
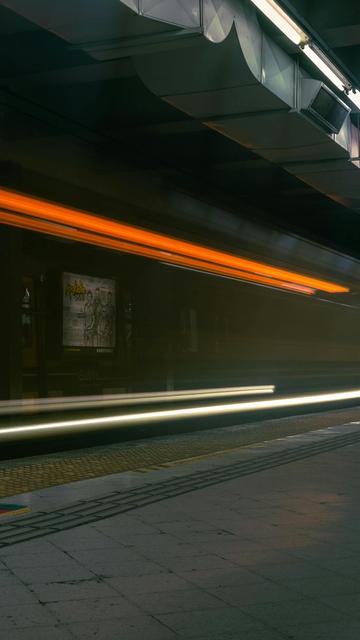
x,y
259,541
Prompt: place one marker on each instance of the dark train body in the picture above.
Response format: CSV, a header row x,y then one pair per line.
x,y
177,329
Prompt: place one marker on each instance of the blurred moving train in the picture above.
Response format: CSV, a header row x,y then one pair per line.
x,y
106,309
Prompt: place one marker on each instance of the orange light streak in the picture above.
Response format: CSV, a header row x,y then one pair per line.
x,y
102,241
58,220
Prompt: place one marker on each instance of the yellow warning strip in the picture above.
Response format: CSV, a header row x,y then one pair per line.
x,y
15,512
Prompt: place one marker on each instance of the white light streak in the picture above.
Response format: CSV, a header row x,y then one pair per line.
x,y
42,405
146,417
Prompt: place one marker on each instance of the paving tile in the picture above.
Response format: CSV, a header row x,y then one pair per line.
x,y
345,630
132,628
177,600
8,578
322,551
336,585
285,614
25,615
16,595
232,544
77,590
46,558
345,566
211,623
259,558
202,538
65,571
118,530
151,540
293,571
181,528
80,538
213,578
286,541
151,583
32,546
92,609
117,555
257,632
196,563
37,633
349,603
139,568
254,593
163,544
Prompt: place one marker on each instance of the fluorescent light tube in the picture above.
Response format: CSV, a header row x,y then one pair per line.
x,y
281,20
325,66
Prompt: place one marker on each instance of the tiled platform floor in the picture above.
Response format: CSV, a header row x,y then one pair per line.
x,y
271,555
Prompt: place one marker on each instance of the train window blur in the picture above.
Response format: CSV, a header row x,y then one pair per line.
x,y
84,320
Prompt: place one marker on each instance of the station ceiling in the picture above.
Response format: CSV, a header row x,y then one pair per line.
x,y
337,23
51,92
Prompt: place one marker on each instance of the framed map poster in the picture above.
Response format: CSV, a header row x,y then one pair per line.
x,y
89,305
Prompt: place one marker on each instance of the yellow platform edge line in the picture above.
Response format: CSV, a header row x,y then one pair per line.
x,y
19,512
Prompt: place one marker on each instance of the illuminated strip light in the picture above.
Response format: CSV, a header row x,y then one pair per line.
x,y
122,237
147,417
283,22
12,407
326,67
354,96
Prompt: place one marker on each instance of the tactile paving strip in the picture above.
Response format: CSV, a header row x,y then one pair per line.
x,y
25,475
118,502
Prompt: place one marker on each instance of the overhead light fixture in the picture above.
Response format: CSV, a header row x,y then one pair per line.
x,y
322,62
282,21
296,34
354,97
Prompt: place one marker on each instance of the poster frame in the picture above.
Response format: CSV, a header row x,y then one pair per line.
x,y
89,352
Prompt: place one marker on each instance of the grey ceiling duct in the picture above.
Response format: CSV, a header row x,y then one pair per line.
x,y
212,60
250,90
